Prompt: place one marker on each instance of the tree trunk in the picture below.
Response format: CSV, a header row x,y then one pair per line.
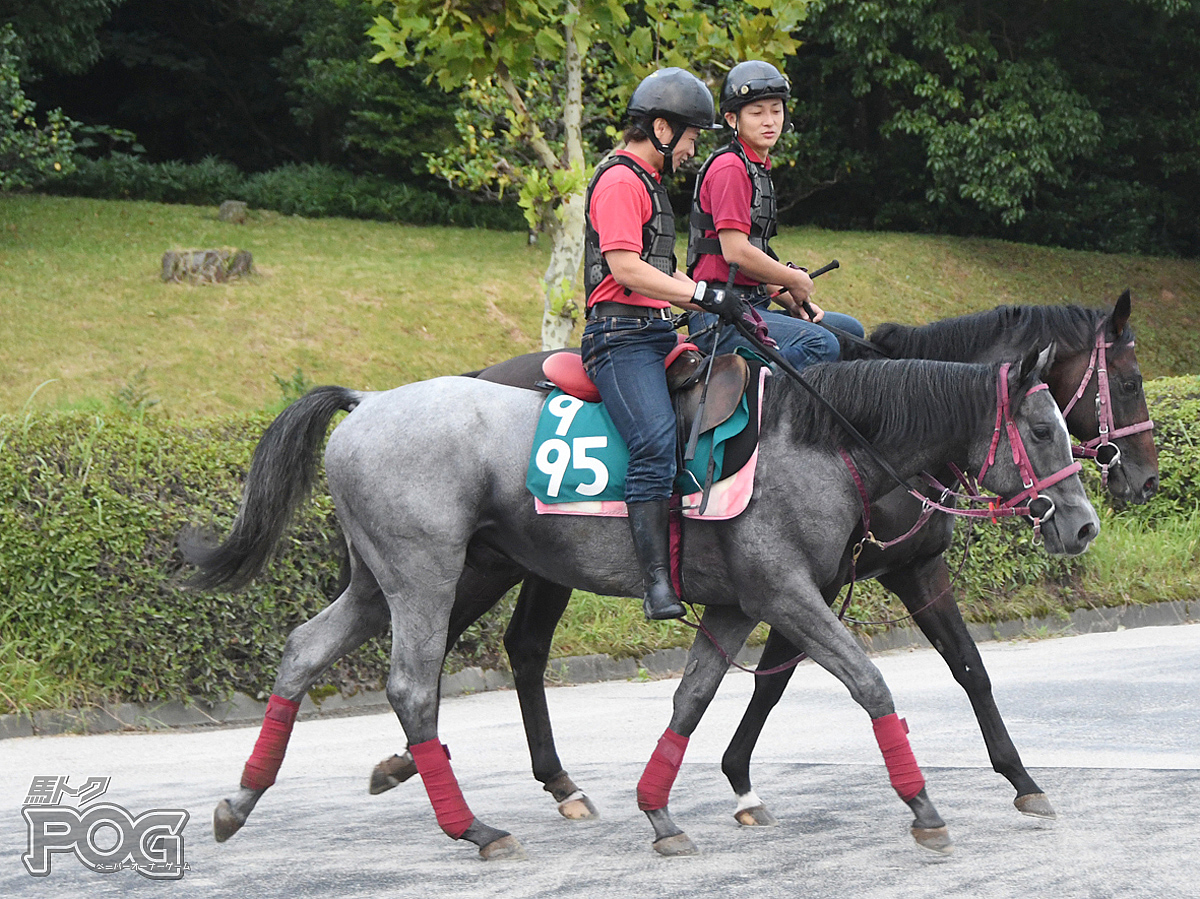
x,y
566,253
566,256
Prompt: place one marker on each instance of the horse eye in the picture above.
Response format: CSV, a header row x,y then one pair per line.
x,y
1042,432
1129,387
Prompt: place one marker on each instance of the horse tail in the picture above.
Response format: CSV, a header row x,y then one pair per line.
x,y
280,478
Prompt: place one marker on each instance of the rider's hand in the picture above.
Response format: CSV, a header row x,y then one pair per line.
x,y
810,311
719,301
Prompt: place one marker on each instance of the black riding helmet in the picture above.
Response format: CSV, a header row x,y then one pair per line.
x,y
679,97
754,80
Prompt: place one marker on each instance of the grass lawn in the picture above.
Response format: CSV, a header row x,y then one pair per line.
x,y
372,305
87,318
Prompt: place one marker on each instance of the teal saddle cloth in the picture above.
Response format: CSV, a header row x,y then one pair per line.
x,y
579,456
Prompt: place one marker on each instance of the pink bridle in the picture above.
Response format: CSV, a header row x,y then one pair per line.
x,y
1033,484
994,509
1091,449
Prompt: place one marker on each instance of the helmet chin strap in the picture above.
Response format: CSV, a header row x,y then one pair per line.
x,y
667,150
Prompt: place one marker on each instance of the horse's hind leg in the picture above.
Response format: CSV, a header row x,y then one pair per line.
x,y
357,615
539,608
735,764
925,589
481,585
728,629
420,625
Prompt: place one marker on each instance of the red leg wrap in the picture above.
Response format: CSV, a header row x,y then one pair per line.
x,y
433,764
891,732
264,762
654,789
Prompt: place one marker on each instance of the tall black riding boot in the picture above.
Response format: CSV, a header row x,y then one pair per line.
x,y
652,543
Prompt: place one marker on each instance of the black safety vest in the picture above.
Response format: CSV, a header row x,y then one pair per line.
x,y
658,234
762,210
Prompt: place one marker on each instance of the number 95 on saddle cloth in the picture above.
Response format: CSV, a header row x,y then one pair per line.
x,y
577,465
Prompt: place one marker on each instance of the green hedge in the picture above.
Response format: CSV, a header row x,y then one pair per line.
x,y
90,505
95,609
314,191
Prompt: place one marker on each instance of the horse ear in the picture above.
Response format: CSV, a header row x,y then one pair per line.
x,y
1034,366
1120,315
1035,362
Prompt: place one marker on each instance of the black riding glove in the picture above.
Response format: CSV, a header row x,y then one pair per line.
x,y
719,301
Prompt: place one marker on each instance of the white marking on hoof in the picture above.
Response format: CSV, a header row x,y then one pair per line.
x,y
577,807
748,800
752,813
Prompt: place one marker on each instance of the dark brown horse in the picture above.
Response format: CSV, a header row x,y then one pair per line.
x,y
915,570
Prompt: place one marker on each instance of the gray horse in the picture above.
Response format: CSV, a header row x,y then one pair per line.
x,y
429,479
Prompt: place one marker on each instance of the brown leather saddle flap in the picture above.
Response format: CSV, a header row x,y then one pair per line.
x,y
729,379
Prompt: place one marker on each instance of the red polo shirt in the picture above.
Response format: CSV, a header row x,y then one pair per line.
x,y
726,194
619,209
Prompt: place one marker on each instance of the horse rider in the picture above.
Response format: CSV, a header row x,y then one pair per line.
x,y
734,218
631,281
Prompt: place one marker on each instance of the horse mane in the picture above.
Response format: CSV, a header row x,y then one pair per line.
x,y
893,403
971,337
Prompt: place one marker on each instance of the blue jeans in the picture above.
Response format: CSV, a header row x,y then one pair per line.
x,y
625,358
801,343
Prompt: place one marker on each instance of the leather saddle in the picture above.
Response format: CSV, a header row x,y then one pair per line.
x,y
686,368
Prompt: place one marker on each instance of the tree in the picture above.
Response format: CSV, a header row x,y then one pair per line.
x,y
355,113
28,151
1012,118
529,50
59,35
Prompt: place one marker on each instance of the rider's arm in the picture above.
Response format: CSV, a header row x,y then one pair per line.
x,y
753,262
632,272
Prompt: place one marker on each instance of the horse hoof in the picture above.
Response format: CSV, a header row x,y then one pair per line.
x,y
935,839
391,772
507,848
1036,805
755,817
676,846
578,808
226,822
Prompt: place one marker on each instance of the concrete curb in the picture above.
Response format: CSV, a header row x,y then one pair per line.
x,y
243,711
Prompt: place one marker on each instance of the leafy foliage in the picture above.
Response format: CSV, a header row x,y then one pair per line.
x,y
1013,119
1175,407
90,505
512,63
310,190
28,151
60,35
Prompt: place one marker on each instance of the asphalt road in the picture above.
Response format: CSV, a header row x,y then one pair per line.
x,y
1109,725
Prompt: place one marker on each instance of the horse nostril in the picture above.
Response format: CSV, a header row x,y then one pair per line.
x,y
1088,533
1150,487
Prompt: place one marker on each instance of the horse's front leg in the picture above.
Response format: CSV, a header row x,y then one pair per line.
x,y
807,622
925,589
727,630
735,763
540,606
357,615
